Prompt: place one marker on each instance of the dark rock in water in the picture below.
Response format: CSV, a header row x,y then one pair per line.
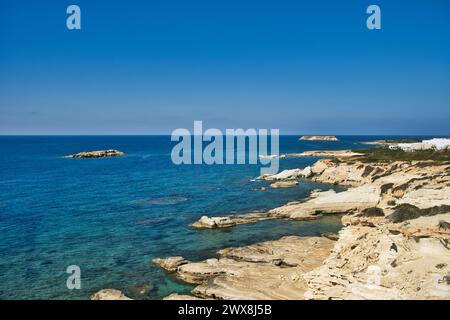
x,y
97,154
371,212
407,211
163,201
141,289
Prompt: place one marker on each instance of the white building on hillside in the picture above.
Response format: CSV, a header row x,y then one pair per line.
x,y
436,144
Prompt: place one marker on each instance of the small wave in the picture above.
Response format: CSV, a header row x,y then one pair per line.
x,y
168,200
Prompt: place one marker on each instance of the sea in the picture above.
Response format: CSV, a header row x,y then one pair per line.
x,y
112,216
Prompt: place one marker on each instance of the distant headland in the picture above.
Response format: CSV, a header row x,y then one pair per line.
x,y
319,138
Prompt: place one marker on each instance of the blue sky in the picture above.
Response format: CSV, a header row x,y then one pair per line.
x,y
148,67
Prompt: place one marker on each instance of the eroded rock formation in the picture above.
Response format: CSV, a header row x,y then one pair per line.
x,y
267,270
395,243
376,259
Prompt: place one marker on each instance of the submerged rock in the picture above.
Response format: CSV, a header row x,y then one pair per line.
x,y
97,154
109,294
141,290
165,200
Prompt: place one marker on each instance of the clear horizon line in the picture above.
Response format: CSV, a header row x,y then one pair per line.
x,y
169,134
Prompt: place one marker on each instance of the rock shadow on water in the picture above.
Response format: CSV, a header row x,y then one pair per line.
x,y
152,221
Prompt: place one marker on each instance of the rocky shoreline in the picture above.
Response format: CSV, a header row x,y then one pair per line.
x,y
238,272
395,243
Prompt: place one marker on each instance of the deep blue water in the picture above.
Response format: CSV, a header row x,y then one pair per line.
x,y
112,216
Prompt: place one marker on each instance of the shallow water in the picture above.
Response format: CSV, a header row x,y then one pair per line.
x,y
112,216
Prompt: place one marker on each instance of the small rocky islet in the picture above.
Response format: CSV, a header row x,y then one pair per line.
x,y
96,154
319,138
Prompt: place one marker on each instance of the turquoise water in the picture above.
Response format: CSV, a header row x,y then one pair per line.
x,y
112,216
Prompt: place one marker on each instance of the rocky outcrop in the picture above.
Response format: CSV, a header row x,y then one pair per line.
x,y
395,243
272,156
267,270
383,185
396,249
376,259
214,222
206,222
97,154
420,183
329,202
109,294
283,184
170,264
372,258
287,175
319,138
